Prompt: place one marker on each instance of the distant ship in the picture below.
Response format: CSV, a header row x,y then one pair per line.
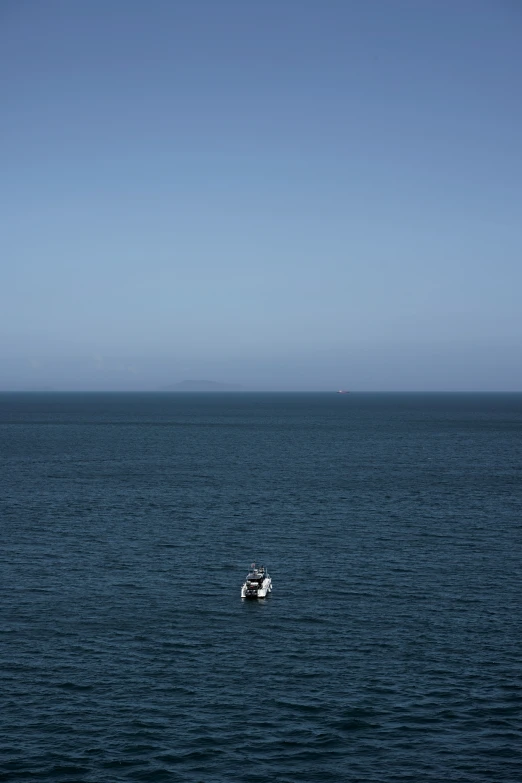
x,y
342,391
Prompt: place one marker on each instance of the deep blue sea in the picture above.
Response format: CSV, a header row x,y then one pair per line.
x,y
389,650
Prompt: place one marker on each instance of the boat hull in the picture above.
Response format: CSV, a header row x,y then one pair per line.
x,y
252,594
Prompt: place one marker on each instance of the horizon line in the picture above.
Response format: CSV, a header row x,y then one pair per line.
x,y
260,391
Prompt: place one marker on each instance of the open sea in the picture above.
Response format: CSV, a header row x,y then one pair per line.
x,y
389,650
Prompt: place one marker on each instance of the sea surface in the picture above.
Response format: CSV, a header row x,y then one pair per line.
x,y
390,649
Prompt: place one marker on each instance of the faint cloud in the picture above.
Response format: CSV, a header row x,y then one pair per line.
x,y
35,363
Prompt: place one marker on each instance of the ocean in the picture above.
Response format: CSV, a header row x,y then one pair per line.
x,y
389,650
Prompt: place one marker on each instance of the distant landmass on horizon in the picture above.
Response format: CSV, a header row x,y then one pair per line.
x,y
203,386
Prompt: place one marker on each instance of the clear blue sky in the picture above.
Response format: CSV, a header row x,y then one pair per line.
x,y
288,194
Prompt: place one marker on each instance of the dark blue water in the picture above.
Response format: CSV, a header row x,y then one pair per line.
x,y
390,649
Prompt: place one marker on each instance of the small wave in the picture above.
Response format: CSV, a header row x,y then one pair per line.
x,y
74,686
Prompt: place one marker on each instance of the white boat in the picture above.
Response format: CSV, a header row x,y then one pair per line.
x,y
258,583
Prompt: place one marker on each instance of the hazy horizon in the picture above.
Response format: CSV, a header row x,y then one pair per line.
x,y
287,196
105,374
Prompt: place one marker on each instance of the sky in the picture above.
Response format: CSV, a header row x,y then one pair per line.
x,y
287,194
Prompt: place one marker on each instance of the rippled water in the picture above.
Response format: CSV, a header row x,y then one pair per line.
x,y
390,649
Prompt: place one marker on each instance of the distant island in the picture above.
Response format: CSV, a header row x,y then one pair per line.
x,y
203,386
